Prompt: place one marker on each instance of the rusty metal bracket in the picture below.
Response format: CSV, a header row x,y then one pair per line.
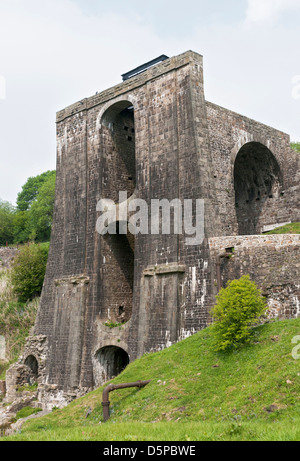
x,y
113,387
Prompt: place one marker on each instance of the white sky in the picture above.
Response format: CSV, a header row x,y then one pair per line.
x,y
56,52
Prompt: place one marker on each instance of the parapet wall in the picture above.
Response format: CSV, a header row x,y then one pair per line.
x,y
272,261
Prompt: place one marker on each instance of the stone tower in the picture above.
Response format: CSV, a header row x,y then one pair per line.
x,y
107,299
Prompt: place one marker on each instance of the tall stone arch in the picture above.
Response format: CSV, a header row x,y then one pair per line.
x,y
257,183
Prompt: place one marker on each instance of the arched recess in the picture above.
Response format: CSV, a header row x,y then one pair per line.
x,y
117,143
118,250
32,363
257,184
109,361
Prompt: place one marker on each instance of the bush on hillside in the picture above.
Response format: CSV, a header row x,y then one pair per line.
x,y
239,307
28,271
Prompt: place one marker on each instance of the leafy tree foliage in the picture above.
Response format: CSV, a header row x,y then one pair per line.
x,y
34,213
41,211
31,220
28,271
296,146
239,306
31,189
21,227
6,223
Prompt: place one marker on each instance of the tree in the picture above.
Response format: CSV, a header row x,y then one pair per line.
x,y
31,189
35,204
239,307
6,223
28,271
21,227
41,211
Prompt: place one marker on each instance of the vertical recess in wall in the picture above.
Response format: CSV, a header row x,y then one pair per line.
x,y
119,175
257,182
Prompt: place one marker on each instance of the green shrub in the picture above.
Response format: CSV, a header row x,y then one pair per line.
x,y
239,307
28,271
3,369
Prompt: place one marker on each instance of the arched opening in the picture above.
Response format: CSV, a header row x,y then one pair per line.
x,y
118,150
110,361
118,249
32,363
257,183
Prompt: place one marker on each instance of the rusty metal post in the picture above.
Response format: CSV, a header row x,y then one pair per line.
x,y
113,387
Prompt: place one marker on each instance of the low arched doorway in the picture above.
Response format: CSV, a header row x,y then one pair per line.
x,y
32,363
109,362
257,183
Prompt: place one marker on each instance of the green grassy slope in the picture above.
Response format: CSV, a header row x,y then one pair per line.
x,y
195,394
293,228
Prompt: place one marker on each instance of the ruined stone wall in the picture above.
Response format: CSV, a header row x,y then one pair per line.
x,y
273,263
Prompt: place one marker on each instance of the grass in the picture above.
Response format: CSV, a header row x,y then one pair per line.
x,y
4,366
28,388
194,394
293,228
16,320
27,411
166,432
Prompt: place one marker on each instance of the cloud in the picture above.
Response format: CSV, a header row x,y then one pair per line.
x,y
268,11
53,54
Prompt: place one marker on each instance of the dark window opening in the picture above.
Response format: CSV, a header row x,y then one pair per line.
x,y
32,363
257,180
110,362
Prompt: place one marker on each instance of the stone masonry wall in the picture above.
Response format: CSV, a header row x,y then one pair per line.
x,y
229,132
172,161
273,263
157,137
